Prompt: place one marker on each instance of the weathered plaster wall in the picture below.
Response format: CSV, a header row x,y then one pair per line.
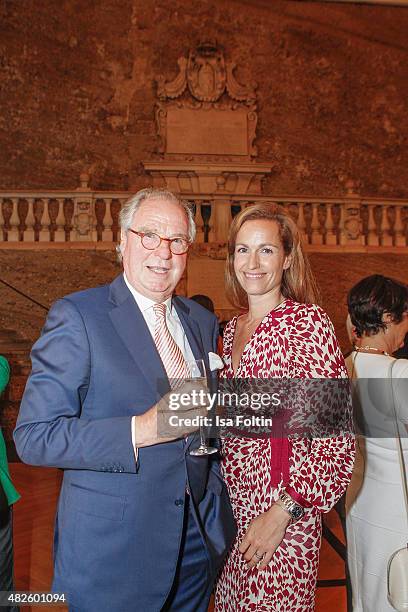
x,y
77,88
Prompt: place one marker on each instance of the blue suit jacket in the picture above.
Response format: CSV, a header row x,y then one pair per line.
x,y
119,524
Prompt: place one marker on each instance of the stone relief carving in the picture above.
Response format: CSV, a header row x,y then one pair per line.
x,y
206,74
352,224
206,82
84,220
237,91
175,88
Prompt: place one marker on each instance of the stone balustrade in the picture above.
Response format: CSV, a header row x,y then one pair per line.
x,y
86,217
56,216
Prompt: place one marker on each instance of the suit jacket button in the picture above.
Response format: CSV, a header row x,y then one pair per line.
x,y
179,502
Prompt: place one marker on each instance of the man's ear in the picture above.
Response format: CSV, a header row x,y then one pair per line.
x,y
123,241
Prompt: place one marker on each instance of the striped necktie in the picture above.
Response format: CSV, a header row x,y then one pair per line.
x,y
170,353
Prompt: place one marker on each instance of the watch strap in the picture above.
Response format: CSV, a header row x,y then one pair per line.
x,y
293,508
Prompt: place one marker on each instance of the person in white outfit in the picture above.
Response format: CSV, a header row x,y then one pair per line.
x,y
376,521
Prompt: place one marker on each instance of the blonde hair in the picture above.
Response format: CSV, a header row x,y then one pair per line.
x,y
298,282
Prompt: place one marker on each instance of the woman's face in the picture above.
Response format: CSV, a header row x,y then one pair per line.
x,y
259,258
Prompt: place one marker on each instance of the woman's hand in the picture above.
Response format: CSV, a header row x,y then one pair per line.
x,y
263,536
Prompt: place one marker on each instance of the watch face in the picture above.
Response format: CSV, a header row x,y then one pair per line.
x,y
297,512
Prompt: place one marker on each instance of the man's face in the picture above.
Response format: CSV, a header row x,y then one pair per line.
x,y
155,273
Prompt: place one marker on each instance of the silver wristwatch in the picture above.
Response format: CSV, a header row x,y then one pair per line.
x,y
295,510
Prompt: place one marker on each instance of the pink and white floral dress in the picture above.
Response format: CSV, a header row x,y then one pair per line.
x,y
293,341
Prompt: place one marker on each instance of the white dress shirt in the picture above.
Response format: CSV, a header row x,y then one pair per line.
x,y
174,325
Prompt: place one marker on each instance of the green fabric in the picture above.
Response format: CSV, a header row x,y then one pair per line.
x,y
10,491
4,373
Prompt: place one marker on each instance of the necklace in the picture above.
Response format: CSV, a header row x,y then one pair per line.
x,y
368,349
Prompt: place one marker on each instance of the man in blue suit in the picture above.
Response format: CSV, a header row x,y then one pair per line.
x,y
141,524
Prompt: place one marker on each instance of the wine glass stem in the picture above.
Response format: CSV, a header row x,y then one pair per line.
x,y
203,441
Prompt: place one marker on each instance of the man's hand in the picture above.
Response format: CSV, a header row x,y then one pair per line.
x,y
263,536
175,416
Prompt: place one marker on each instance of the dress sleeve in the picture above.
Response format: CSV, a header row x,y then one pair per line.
x,y
326,467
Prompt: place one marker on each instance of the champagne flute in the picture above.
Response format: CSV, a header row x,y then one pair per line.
x,y
196,371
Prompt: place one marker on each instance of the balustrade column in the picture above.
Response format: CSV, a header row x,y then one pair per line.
x,y
107,235
92,223
116,205
29,235
341,225
198,221
372,236
14,222
301,221
68,214
330,237
385,227
1,221
317,237
399,227
221,219
45,220
59,234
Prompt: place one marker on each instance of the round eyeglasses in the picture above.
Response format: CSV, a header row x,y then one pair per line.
x,y
151,241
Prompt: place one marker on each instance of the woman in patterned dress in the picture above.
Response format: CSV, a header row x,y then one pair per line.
x,y
271,481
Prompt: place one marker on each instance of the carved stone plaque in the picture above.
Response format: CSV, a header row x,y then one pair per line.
x,y
204,110
222,132
206,123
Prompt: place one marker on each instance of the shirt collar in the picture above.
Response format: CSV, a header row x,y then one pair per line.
x,y
144,302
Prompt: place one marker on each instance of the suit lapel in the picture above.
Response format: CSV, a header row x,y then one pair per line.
x,y
129,323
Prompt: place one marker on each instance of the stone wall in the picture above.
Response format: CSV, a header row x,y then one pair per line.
x,y
78,88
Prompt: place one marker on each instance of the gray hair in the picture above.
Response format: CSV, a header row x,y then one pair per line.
x,y
134,202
